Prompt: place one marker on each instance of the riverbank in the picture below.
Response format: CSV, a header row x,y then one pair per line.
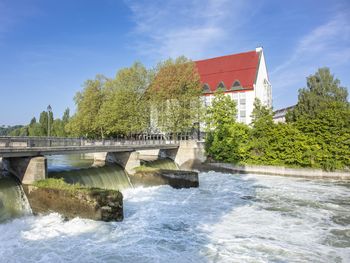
x,y
276,170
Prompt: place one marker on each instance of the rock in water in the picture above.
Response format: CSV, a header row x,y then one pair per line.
x,y
90,203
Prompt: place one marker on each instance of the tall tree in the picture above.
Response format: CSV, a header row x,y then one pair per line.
x,y
226,139
66,116
223,111
323,113
126,109
322,89
88,102
175,94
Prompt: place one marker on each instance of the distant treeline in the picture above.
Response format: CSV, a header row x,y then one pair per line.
x,y
40,128
6,130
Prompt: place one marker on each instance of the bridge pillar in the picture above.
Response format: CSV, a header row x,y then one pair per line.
x,y
189,154
27,169
128,160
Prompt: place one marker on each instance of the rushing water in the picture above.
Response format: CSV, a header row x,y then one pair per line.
x,y
165,163
229,218
13,202
74,169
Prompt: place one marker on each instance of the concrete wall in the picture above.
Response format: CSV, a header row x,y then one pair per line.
x,y
280,170
128,160
189,154
27,169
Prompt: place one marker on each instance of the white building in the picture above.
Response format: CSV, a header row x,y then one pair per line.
x,y
243,77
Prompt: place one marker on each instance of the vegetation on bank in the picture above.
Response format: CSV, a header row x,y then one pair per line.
x,y
316,135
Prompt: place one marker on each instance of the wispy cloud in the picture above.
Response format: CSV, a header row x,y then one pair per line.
x,y
326,45
12,13
194,28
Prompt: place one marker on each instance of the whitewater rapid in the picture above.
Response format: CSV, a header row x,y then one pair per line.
x,y
229,218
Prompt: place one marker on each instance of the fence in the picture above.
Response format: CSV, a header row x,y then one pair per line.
x,y
137,139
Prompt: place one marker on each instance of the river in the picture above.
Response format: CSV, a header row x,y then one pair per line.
x,y
229,218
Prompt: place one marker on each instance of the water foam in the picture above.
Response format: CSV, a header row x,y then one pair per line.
x,y
229,218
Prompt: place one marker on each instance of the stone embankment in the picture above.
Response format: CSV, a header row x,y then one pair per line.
x,y
174,178
280,170
90,203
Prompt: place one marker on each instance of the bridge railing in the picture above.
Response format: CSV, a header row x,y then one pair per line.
x,y
142,139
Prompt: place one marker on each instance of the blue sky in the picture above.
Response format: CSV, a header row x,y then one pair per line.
x,y
49,48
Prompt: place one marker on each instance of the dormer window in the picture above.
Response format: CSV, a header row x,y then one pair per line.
x,y
221,86
206,88
236,85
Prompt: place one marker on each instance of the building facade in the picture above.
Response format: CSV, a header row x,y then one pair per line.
x,y
280,115
242,76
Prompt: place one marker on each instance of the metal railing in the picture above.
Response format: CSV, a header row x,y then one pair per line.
x,y
139,139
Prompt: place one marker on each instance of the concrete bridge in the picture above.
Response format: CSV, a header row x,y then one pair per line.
x,y
25,156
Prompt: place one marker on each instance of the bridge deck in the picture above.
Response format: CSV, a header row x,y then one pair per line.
x,y
33,146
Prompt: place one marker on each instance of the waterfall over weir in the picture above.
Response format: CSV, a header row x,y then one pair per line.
x,y
13,202
107,177
166,164
77,169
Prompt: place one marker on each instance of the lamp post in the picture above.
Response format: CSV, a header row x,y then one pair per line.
x,y
49,110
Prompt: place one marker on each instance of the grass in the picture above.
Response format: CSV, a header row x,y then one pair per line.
x,y
60,184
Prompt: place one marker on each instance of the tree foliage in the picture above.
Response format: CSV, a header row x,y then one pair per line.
x,y
225,136
40,128
85,121
321,90
175,95
317,133
124,110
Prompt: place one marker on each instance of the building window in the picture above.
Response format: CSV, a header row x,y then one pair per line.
x,y
242,101
267,97
242,95
236,85
242,114
221,86
206,88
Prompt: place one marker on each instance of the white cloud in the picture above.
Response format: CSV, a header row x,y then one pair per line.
x,y
192,28
326,45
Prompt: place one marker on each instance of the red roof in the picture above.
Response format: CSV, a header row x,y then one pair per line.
x,y
242,67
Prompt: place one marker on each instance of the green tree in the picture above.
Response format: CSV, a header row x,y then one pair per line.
x,y
260,135
222,112
175,93
43,121
126,108
226,139
66,116
88,102
322,89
